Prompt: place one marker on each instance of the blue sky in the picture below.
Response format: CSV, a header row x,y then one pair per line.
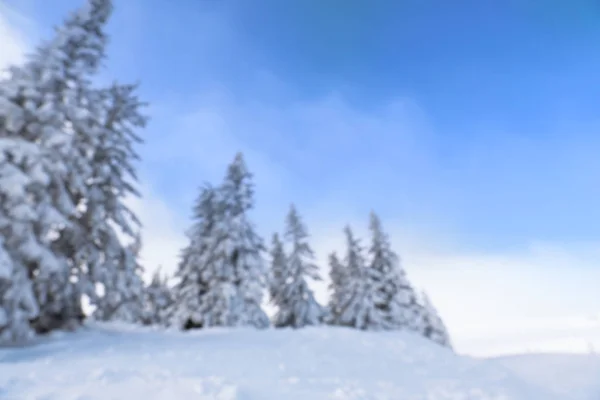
x,y
504,92
507,92
471,127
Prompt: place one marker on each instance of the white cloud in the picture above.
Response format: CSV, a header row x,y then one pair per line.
x,y
12,31
496,303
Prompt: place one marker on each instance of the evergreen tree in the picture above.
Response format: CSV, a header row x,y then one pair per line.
x,y
79,141
157,300
278,268
359,295
222,273
395,296
295,301
433,327
98,152
98,248
338,278
68,63
38,105
205,294
242,246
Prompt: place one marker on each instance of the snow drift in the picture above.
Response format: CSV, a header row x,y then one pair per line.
x,y
109,362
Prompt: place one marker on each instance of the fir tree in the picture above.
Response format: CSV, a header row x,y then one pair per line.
x,y
433,327
222,272
278,268
338,277
104,219
242,246
70,147
202,297
38,104
295,301
82,138
99,154
394,294
67,65
158,300
211,284
358,297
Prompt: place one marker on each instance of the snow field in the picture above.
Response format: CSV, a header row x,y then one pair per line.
x,y
111,363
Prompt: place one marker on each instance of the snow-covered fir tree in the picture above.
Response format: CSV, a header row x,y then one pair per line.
x,y
395,296
104,221
295,301
99,156
222,273
338,277
67,65
38,101
242,246
70,147
358,296
433,327
158,299
204,294
278,268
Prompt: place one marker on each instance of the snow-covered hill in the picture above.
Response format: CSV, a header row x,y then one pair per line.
x,y
319,363
575,376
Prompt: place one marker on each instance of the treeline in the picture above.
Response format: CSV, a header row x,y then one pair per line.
x,y
223,275
67,164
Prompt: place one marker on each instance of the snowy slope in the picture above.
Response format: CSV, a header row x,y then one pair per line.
x,y
576,376
318,363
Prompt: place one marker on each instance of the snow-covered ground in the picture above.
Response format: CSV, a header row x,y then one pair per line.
x,y
111,362
575,376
